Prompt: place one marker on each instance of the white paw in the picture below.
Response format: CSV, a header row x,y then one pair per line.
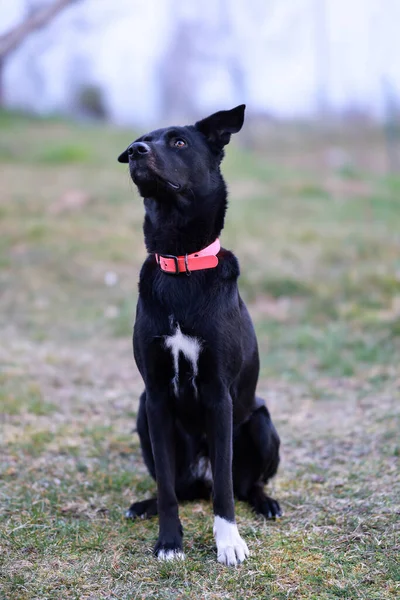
x,y
231,548
170,555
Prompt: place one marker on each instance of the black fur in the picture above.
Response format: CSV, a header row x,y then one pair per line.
x,y
220,418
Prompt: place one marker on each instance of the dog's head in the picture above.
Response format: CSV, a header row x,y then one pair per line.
x,y
182,161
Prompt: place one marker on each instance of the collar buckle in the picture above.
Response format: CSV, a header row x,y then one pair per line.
x,y
176,263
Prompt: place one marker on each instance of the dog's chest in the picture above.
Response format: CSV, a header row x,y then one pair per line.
x,y
185,351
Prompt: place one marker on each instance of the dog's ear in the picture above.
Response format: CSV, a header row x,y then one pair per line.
x,y
219,127
123,158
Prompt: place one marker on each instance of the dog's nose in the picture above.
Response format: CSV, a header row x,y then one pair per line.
x,y
137,149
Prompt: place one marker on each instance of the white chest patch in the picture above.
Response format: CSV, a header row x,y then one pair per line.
x,y
190,348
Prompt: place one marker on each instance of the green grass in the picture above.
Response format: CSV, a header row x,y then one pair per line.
x,y
320,261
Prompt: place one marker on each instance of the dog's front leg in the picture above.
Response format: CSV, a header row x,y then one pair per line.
x,y
161,426
231,548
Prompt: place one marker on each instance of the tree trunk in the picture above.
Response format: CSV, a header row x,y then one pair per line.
x,y
12,39
1,82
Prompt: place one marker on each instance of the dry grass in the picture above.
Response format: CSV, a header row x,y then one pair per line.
x,y
321,272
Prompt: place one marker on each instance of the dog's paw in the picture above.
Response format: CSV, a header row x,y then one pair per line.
x,y
171,550
169,544
270,509
170,555
131,514
142,510
231,548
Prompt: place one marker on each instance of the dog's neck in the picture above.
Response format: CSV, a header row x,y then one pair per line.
x,y
182,225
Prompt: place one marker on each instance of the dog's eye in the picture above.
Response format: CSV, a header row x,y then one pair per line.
x,y
179,143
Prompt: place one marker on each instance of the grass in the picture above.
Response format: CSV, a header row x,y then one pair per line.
x,y
320,258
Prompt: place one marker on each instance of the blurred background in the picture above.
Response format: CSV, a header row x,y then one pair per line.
x,y
316,63
135,62
314,218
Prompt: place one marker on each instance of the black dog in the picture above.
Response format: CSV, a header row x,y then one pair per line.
x,y
202,428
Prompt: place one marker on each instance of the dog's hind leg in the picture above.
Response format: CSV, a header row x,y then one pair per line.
x,y
144,509
142,428
255,461
263,504
195,490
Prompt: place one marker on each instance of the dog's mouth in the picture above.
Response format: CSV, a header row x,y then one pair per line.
x,y
151,174
175,186
168,182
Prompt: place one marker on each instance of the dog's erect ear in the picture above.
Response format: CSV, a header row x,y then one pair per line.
x,y
219,127
123,158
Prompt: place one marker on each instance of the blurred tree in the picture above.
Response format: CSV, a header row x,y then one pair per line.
x,y
391,125
201,41
36,19
321,56
177,71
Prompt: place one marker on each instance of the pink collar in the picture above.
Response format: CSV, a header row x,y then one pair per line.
x,y
204,259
